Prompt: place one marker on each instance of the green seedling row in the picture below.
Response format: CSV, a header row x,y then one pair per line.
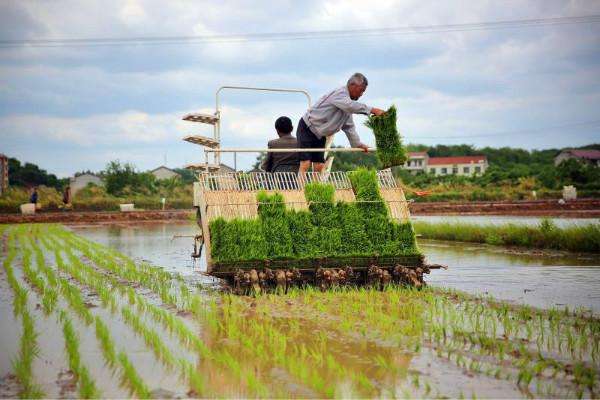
x,y
28,346
87,386
88,276
546,235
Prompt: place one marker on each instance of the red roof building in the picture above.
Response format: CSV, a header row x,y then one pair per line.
x,y
591,157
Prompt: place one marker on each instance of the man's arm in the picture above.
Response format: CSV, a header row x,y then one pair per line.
x,y
345,103
350,130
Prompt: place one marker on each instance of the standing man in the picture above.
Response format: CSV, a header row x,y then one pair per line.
x,y
333,112
282,162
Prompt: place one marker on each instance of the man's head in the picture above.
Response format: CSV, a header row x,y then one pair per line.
x,y
357,84
284,126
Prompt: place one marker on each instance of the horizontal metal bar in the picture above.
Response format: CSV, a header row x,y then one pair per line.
x,y
261,89
309,202
293,150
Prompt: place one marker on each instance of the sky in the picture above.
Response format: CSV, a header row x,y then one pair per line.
x,y
70,109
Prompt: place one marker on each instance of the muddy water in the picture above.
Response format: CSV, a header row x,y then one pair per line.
x,y
542,279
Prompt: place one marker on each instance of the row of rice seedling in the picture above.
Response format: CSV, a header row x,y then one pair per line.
x,y
466,338
482,330
546,235
88,276
170,322
77,304
28,346
122,267
87,386
319,361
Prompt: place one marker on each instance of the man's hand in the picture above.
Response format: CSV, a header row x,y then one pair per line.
x,y
377,111
364,147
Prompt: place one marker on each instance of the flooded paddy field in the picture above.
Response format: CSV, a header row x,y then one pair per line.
x,y
117,311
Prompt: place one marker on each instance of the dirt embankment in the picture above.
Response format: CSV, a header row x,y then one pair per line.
x,y
584,208
84,217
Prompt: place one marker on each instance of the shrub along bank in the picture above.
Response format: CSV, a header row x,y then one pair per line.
x,y
546,235
326,229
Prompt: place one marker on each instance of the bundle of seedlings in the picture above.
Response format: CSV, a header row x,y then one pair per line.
x,y
400,240
373,209
320,198
366,190
303,234
328,235
355,241
390,150
238,240
272,214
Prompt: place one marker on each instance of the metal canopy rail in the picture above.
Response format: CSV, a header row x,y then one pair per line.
x,y
215,121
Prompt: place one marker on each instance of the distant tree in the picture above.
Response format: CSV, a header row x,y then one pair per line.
x,y
30,175
259,160
187,175
120,178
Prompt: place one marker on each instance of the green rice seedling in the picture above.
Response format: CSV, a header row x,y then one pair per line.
x,y
105,340
151,338
28,351
272,214
579,238
390,151
189,373
366,189
131,379
241,239
302,233
320,199
87,387
355,240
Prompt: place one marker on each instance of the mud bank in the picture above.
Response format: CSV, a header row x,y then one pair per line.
x,y
584,208
85,217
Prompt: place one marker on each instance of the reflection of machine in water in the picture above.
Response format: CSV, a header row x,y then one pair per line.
x,y
233,195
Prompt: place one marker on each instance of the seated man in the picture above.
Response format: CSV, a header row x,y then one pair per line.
x,y
282,162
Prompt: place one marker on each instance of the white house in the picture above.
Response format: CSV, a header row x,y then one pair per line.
x,y
417,161
591,157
463,165
163,172
79,182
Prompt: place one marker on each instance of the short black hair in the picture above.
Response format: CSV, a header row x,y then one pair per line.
x,y
284,125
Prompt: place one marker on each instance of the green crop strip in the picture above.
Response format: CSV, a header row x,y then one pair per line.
x,y
74,298
88,276
546,235
390,151
28,346
87,387
363,228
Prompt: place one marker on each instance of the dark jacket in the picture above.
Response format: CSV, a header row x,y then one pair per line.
x,y
282,162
